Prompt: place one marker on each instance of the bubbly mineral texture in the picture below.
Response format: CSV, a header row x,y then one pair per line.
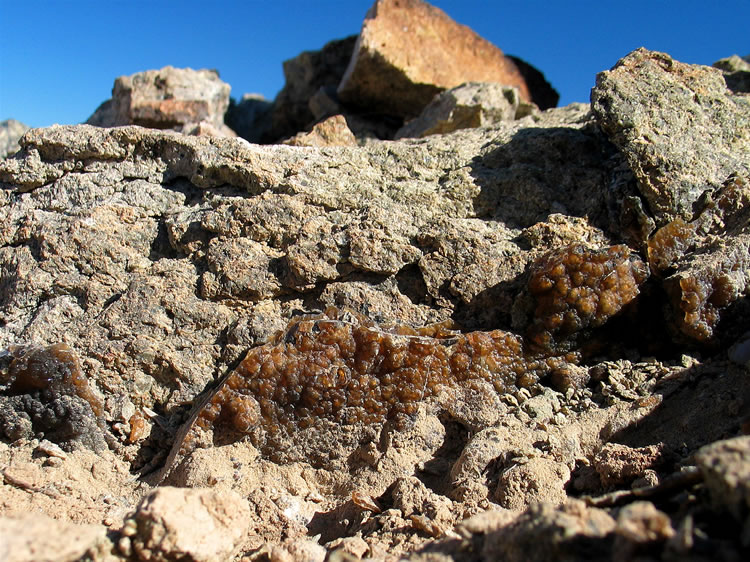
x,y
46,391
342,367
705,261
577,288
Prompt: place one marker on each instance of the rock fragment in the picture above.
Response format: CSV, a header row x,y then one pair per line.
x,y
474,104
544,532
183,99
305,75
188,524
408,51
736,72
682,131
36,537
534,480
10,132
619,465
330,132
706,261
250,117
725,466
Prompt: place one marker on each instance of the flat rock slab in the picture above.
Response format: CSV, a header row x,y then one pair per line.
x,y
682,131
408,51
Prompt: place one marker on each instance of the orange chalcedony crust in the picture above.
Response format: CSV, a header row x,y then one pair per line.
x,y
342,367
704,268
578,288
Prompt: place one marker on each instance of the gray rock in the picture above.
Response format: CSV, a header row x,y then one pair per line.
x,y
11,132
474,104
250,117
736,72
678,126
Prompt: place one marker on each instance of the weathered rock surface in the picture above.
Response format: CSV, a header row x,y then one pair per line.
x,y
183,99
681,130
470,105
179,524
10,133
408,51
147,233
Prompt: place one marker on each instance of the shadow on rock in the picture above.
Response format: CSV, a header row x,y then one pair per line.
x,y
543,171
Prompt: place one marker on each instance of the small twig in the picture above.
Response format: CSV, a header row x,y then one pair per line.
x,y
670,485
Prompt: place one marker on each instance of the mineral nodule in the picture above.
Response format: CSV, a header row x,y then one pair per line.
x,y
46,390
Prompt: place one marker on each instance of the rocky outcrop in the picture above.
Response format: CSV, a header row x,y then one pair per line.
x,y
155,266
408,51
10,133
183,99
677,125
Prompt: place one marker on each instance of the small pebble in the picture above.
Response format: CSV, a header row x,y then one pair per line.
x,y
51,449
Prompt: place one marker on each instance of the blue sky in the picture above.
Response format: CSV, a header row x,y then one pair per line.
x,y
59,58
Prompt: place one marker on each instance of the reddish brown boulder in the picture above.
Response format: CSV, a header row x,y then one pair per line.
x,y
183,99
408,51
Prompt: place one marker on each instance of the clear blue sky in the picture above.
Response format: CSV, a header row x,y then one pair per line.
x,y
59,58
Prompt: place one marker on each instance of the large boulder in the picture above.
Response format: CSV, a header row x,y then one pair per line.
x,y
183,99
408,51
682,131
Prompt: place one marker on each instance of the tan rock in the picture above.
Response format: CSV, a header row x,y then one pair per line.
x,y
183,99
474,104
330,132
619,464
537,480
36,537
197,524
408,51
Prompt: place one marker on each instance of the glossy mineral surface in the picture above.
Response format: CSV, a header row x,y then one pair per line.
x,y
342,367
46,393
577,288
704,282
